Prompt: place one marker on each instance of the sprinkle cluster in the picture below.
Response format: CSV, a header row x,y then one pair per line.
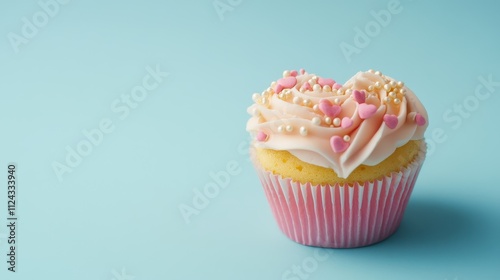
x,y
328,108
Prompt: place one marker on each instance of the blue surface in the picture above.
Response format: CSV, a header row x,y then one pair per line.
x,y
116,214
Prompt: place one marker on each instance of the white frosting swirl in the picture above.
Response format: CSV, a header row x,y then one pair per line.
x,y
280,124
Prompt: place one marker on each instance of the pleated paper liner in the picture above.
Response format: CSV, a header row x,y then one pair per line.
x,y
339,215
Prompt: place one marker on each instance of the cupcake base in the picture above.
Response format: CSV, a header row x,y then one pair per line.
x,y
340,215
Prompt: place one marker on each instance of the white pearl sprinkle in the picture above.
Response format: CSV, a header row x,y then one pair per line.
x,y
328,120
387,99
402,91
336,100
315,78
393,84
336,122
263,100
378,73
377,85
327,88
370,88
286,73
397,101
316,121
307,102
289,128
347,138
312,82
340,91
348,91
392,94
387,87
255,97
273,84
297,100
371,71
317,87
281,129
281,95
265,94
302,90
303,131
401,84
316,107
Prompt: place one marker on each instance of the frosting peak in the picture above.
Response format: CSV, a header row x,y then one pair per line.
x,y
338,126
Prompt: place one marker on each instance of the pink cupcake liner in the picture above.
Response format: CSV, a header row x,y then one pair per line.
x,y
339,215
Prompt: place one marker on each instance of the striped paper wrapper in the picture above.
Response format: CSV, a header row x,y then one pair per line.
x,y
339,215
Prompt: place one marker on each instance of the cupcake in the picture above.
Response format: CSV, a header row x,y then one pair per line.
x,y
337,162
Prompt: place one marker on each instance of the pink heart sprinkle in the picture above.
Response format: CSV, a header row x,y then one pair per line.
x,y
306,86
328,109
261,136
337,86
420,120
293,73
391,121
324,81
288,82
278,88
346,122
365,111
359,96
338,144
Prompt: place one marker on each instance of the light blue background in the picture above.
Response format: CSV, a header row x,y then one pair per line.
x,y
118,214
